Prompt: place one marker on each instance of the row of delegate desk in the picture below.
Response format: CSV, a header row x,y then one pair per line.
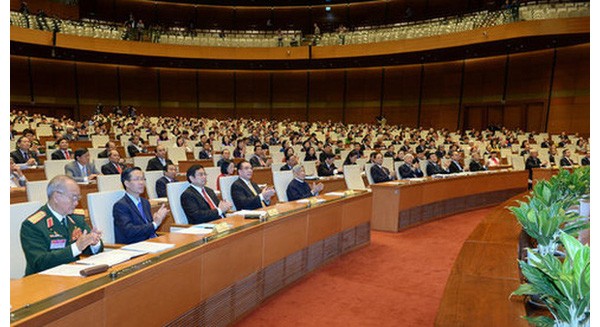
x,y
216,280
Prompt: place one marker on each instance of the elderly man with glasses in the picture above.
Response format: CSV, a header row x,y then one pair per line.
x,y
133,220
54,235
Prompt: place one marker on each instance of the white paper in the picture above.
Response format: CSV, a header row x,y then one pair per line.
x,y
148,247
199,229
417,179
311,177
66,270
308,200
335,193
247,212
109,258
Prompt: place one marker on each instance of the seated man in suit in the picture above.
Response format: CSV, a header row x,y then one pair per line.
x,y
290,161
245,193
160,161
433,167
23,154
455,166
585,161
410,169
225,156
109,146
327,168
533,162
133,220
327,149
136,146
113,166
259,159
168,177
206,152
379,173
298,188
199,202
566,159
54,235
63,152
475,164
81,170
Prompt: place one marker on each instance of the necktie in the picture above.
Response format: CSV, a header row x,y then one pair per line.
x,y
84,171
119,168
255,194
65,223
208,199
25,155
67,155
141,210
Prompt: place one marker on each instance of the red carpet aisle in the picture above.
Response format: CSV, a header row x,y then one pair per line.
x,y
398,280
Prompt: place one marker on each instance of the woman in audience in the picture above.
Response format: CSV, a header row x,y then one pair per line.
x,y
288,153
240,149
493,161
311,155
227,168
180,143
226,141
351,158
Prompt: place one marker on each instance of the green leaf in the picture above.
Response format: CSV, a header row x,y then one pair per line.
x,y
540,321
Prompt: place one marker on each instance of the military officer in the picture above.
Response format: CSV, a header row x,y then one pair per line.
x,y
54,235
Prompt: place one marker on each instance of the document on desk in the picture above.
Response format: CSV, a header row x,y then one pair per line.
x,y
148,247
66,270
248,213
109,258
335,193
308,200
199,229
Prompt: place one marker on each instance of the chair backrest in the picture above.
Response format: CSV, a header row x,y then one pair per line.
x,y
423,165
353,178
36,191
99,162
151,177
153,140
276,166
361,162
215,158
99,141
282,179
505,152
310,168
174,191
18,213
100,206
226,189
109,183
388,163
176,154
368,172
94,152
277,156
141,161
397,165
518,162
55,167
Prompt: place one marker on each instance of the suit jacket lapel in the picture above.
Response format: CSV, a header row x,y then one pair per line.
x,y
58,226
135,209
200,195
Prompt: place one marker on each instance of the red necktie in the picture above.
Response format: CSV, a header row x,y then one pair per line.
x,y
119,168
208,199
67,155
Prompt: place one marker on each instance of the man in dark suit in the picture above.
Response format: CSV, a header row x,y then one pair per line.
x,y
298,188
133,219
63,152
245,193
410,169
379,173
585,161
433,167
566,159
259,159
226,156
113,166
107,148
206,152
533,162
81,170
327,149
169,177
327,168
199,202
160,161
475,164
23,155
54,235
290,162
455,166
136,146
421,147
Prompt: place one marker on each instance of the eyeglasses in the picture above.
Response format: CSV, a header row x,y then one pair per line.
x,y
74,197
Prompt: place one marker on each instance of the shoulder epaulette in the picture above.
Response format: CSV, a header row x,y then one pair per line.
x,y
37,217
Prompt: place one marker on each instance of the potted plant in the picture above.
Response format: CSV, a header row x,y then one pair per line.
x,y
564,287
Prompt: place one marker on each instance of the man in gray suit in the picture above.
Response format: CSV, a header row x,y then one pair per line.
x,y
81,170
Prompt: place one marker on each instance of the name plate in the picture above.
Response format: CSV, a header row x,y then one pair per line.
x,y
272,212
221,227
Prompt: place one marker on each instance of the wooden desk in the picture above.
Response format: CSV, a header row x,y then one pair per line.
x,y
547,173
398,205
197,283
34,174
184,165
484,275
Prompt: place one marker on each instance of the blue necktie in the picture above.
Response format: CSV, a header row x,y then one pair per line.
x,y
141,209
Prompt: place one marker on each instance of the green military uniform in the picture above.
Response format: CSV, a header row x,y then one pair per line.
x,y
47,242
